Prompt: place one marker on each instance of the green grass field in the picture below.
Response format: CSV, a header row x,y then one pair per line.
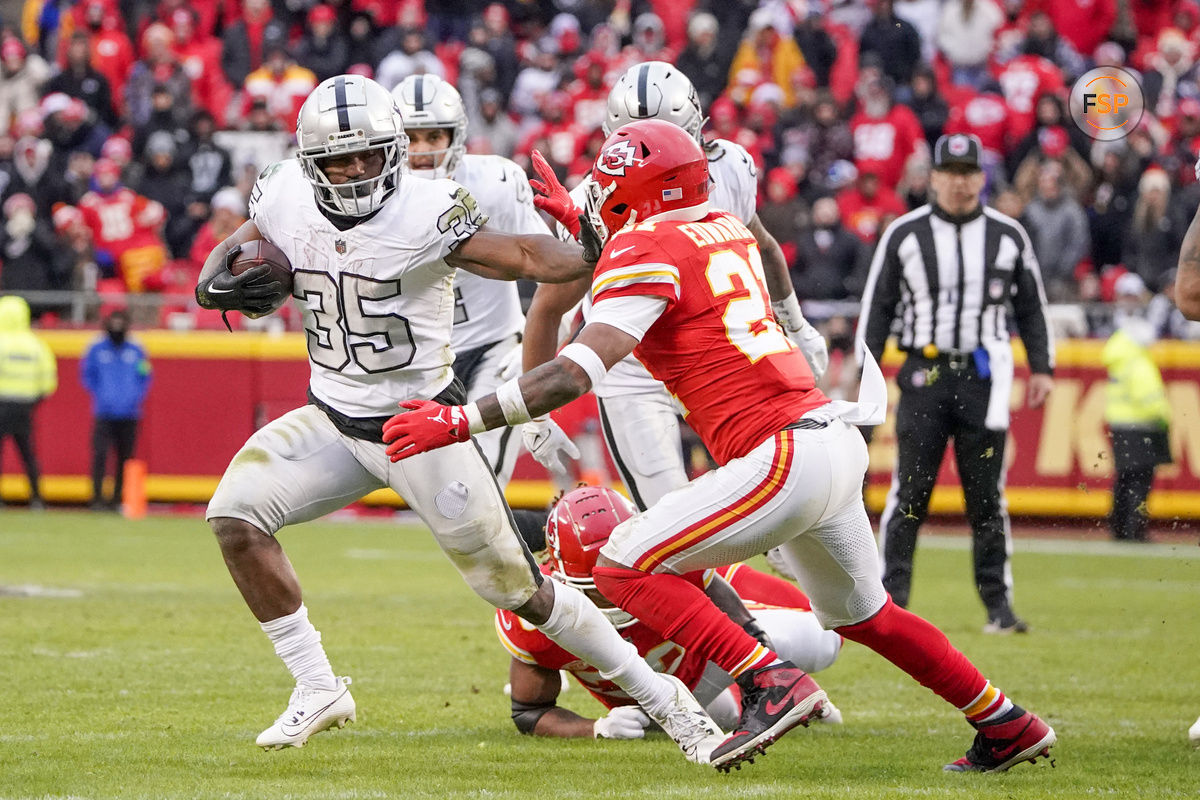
x,y
144,676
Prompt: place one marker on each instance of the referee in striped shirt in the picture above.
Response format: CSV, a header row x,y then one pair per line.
x,y
947,277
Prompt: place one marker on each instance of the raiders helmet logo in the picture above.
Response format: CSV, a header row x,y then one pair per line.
x,y
616,158
958,145
340,246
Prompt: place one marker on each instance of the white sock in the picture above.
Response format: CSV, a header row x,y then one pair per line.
x,y
576,625
298,643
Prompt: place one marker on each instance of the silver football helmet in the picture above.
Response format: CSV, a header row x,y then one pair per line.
x,y
351,114
427,101
654,90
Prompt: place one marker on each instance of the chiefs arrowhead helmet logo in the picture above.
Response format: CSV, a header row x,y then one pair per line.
x,y
616,158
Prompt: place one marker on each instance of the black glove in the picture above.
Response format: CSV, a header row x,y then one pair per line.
x,y
252,292
754,629
590,240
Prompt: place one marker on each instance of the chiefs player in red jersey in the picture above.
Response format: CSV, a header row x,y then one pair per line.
x,y
682,288
770,609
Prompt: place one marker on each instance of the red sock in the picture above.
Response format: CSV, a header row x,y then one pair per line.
x,y
681,611
921,650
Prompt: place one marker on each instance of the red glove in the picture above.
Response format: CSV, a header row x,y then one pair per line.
x,y
426,427
550,196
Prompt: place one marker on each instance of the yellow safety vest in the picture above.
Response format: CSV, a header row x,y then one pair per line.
x,y
28,370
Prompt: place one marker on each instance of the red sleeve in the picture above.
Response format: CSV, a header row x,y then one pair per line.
x,y
759,587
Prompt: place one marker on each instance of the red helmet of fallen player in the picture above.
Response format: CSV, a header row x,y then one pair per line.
x,y
646,168
579,525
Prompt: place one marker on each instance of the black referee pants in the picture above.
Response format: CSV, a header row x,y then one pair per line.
x,y
939,403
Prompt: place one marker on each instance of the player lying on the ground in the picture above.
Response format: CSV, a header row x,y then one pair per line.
x,y
683,286
373,254
772,610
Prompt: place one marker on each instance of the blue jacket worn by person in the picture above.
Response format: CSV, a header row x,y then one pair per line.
x,y
117,376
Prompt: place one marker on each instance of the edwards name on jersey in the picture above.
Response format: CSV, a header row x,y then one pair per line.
x,y
716,346
376,298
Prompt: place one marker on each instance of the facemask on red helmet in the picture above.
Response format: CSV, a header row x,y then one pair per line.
x,y
646,169
579,525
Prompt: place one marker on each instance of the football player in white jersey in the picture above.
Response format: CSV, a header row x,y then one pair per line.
x,y
639,418
373,255
487,313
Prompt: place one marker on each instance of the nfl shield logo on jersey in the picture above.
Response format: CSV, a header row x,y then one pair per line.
x,y
340,246
996,288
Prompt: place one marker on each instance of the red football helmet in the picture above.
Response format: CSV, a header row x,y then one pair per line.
x,y
579,525
646,168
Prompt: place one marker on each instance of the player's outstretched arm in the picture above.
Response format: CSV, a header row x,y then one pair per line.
x,y
505,256
1187,279
428,425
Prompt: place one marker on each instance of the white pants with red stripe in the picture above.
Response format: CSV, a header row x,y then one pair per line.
x,y
801,491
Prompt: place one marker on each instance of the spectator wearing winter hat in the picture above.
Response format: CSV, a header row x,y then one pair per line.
x,y
210,164
323,48
22,75
1052,129
79,79
1060,233
926,102
70,126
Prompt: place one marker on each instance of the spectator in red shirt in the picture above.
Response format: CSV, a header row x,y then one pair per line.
x,y
112,51
1085,23
1022,81
885,135
125,229
200,55
589,93
867,206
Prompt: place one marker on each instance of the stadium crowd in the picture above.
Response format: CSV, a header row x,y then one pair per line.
x,y
131,131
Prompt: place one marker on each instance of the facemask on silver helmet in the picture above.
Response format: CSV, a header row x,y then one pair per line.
x,y
428,102
654,90
350,114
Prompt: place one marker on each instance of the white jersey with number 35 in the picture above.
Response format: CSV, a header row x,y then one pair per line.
x,y
733,188
377,298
